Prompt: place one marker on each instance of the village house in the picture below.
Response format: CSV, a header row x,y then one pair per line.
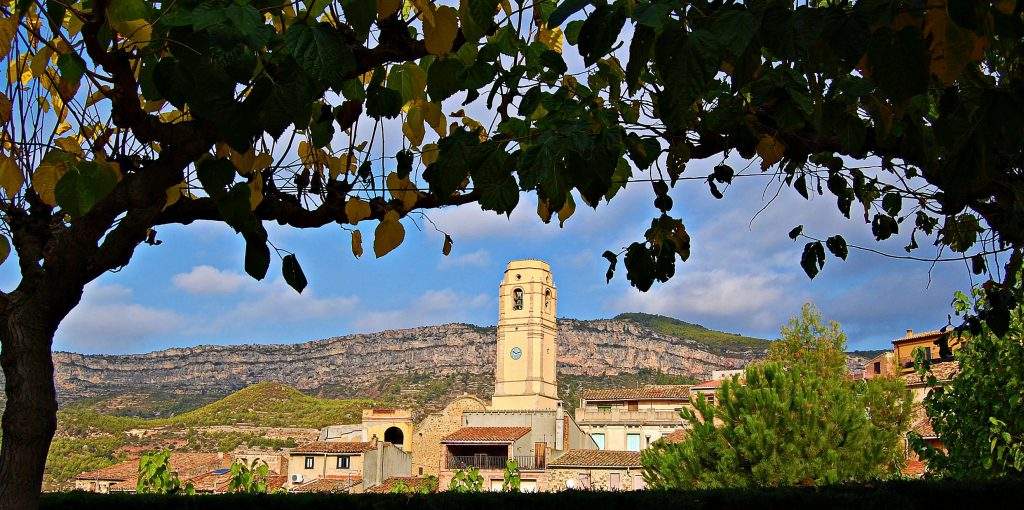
x,y
631,419
342,466
597,470
124,476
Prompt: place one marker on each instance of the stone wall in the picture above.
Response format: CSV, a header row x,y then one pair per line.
x,y
428,455
629,478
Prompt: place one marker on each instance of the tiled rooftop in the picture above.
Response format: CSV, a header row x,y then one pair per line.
x,y
596,458
330,484
708,385
650,392
676,436
414,483
333,447
486,435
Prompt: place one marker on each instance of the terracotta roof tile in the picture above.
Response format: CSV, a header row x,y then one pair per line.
x,y
414,483
919,335
333,447
708,385
120,471
486,435
596,458
186,465
676,436
922,424
649,392
942,370
330,484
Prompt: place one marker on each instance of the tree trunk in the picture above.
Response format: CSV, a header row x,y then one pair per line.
x,y
30,418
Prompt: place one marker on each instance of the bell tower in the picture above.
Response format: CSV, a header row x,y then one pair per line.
x,y
524,376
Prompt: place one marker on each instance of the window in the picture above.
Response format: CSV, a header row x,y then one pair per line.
x,y
614,481
928,353
517,299
309,462
599,439
604,409
343,462
878,367
632,405
547,298
585,481
638,483
633,442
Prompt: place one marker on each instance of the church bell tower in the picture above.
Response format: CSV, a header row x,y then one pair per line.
x,y
524,376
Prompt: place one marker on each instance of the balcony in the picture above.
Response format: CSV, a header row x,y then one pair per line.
x,y
622,416
491,461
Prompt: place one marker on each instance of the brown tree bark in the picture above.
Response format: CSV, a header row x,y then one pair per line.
x,y
30,417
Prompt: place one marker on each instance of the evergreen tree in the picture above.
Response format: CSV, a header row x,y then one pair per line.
x,y
795,419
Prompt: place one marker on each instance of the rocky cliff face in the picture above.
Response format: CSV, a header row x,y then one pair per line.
x,y
593,347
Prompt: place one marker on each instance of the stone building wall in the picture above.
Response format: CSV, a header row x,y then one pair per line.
x,y
629,478
428,455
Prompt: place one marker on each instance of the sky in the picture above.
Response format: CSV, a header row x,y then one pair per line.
x,y
743,275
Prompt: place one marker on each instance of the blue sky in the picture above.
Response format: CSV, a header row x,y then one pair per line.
x,y
743,275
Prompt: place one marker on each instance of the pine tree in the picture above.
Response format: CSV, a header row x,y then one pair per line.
x,y
795,421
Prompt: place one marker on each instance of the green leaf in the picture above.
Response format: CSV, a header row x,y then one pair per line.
x,y
530,101
215,175
314,8
257,256
641,49
383,102
127,10
734,28
795,233
612,260
892,203
409,80
600,32
319,51
443,78
71,66
85,184
292,272
236,209
837,245
884,226
564,10
360,15
813,258
572,31
643,151
476,17
55,12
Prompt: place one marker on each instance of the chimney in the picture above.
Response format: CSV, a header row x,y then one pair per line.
x,y
910,332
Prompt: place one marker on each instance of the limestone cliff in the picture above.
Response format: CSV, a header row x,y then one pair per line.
x,y
586,347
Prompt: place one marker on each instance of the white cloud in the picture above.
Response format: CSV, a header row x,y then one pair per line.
x,y
431,307
276,300
478,258
106,321
209,280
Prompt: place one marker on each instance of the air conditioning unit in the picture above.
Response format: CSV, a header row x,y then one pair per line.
x,y
296,478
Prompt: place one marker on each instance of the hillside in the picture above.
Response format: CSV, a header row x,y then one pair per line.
x,y
440,360
265,415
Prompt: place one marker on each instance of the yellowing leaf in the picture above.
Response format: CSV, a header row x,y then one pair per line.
x,y
138,32
429,153
357,243
506,6
41,60
71,145
97,96
11,178
439,34
435,118
44,181
8,29
62,128
770,150
402,189
389,234
356,210
544,210
567,209
344,164
5,108
412,128
551,37
5,248
18,70
255,190
249,162
446,248
174,194
952,48
385,8
426,10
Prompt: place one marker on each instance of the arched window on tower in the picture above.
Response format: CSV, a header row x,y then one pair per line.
x,y
517,299
547,299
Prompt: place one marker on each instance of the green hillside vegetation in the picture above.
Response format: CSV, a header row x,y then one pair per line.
x,y
685,330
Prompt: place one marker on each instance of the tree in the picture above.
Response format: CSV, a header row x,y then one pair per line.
x,y
121,116
979,414
811,344
512,480
467,480
249,479
788,422
157,477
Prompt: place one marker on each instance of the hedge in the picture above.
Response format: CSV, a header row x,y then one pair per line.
x,y
911,494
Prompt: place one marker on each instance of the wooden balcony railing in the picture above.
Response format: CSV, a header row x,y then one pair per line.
x,y
491,461
593,416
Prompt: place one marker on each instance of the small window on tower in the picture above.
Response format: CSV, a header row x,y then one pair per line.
x,y
517,299
547,298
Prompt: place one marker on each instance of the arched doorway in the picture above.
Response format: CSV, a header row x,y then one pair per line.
x,y
395,436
